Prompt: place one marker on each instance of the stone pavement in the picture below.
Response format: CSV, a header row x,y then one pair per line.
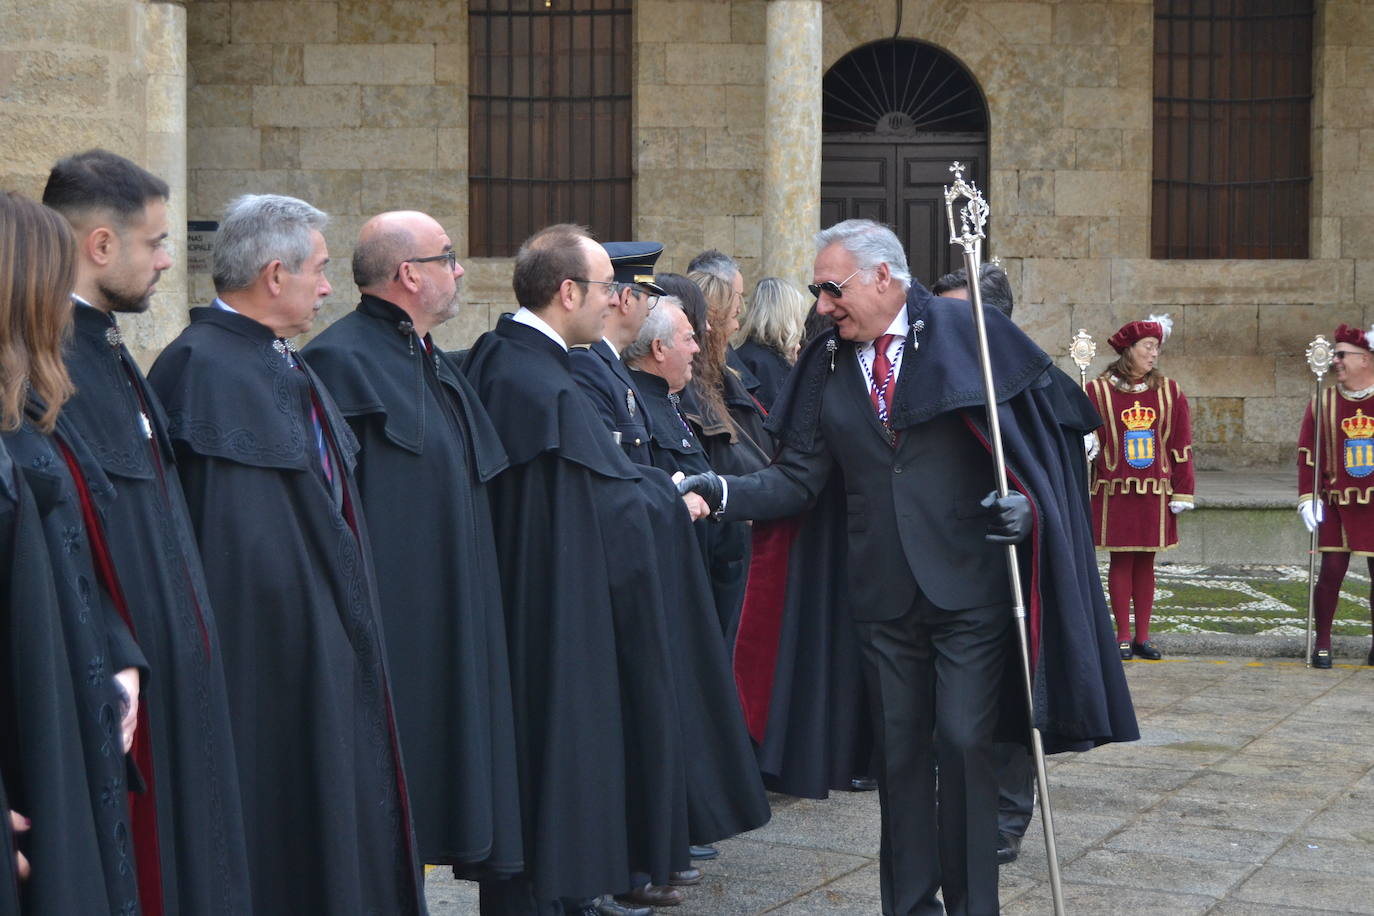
x,y
1251,792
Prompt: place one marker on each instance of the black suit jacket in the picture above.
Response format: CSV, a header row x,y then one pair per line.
x,y
607,382
914,522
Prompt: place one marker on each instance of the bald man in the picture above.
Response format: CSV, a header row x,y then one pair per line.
x,y
427,452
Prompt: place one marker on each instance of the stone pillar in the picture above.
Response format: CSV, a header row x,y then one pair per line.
x,y
792,139
162,34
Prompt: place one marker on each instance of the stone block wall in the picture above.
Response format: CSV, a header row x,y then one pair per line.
x,y
352,105
77,74
1069,88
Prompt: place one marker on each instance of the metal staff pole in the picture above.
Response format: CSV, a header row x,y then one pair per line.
x,y
1082,349
1319,361
972,218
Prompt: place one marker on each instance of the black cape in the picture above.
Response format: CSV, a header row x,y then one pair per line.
x,y
601,737
427,453
9,877
767,365
64,765
191,773
290,573
1079,688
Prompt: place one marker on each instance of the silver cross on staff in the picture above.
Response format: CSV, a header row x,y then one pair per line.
x,y
973,217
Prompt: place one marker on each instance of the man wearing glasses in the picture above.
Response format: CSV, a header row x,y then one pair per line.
x,y
1342,514
598,367
892,398
427,450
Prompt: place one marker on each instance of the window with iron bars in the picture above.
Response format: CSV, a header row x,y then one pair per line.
x,y
550,110
1232,129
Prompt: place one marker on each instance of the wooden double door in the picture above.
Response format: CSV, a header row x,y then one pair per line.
x,y
901,183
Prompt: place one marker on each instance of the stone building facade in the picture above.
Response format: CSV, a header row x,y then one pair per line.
x,y
362,105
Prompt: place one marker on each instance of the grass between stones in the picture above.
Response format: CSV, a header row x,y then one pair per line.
x,y
1268,600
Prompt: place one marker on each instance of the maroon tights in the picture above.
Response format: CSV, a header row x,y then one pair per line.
x,y
1132,577
1334,565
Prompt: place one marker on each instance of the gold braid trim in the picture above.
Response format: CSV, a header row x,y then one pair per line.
x,y
1147,486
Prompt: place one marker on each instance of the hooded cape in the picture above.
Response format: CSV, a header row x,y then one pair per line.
x,y
289,569
427,453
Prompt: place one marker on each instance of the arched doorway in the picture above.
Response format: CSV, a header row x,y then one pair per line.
x,y
895,114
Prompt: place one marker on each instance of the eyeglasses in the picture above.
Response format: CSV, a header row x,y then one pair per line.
x,y
830,287
451,256
613,287
647,296
1342,354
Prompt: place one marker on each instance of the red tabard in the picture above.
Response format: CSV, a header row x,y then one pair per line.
x,y
1146,462
1347,456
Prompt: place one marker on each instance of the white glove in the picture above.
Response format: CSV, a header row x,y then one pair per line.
x,y
1091,445
1176,507
1312,513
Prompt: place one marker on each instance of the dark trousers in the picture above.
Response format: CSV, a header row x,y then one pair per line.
x,y
1015,787
933,681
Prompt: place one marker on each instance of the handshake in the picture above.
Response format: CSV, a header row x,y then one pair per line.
x,y
1009,517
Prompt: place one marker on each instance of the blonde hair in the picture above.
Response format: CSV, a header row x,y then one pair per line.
x,y
37,275
775,317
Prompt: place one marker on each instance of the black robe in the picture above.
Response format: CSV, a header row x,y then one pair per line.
x,y
289,570
1079,688
64,764
427,453
9,876
581,533
186,751
769,366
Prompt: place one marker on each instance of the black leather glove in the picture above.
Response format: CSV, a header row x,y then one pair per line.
x,y
1009,517
707,486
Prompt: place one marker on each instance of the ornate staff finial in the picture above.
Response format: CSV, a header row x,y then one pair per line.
x,y
1319,356
1082,349
973,216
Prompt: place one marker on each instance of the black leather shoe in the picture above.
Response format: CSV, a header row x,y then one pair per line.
x,y
702,853
1146,650
652,895
863,784
1008,848
1321,658
608,906
685,878
1125,648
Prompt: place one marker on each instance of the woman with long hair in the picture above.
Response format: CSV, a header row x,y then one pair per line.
x,y
69,693
1143,474
770,334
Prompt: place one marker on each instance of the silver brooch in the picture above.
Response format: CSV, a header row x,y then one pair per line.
x,y
113,337
918,325
405,327
284,347
831,347
630,401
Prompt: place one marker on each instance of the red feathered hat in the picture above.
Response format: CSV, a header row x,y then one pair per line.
x,y
1156,326
1354,336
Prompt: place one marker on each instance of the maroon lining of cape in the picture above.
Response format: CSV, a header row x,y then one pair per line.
x,y
142,806
1033,603
760,622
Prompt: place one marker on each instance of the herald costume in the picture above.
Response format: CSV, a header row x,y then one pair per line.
x,y
427,454
267,464
185,748
598,579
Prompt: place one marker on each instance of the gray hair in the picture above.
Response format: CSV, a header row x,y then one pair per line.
x,y
657,326
871,244
258,229
716,263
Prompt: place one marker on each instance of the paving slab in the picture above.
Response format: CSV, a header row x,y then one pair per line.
x,y
1251,794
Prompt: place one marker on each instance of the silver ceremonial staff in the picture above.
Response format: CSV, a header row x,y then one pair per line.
x,y
1082,349
972,218
1319,361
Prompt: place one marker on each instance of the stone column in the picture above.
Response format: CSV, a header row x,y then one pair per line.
x,y
162,35
792,139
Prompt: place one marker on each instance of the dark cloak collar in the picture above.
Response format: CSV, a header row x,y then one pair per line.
x,y
940,368
375,364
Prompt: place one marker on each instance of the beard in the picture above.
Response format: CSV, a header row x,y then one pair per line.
x,y
124,301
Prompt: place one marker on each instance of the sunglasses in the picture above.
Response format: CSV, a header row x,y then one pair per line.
x,y
830,287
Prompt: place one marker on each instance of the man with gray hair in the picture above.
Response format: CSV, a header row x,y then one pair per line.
x,y
267,463
893,398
